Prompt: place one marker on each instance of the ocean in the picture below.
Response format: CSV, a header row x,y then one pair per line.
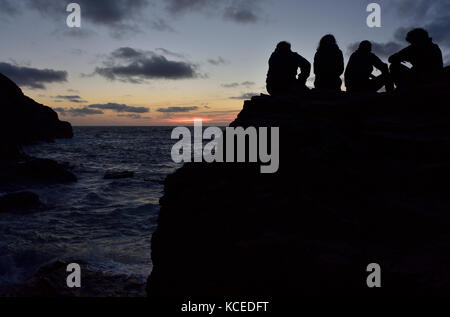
x,y
105,223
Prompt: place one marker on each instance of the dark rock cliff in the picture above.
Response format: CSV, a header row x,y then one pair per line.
x,y
363,179
22,120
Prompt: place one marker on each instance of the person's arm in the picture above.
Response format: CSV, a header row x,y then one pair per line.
x,y
305,68
402,56
341,63
378,64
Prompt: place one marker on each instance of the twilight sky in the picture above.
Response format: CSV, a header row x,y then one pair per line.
x,y
165,62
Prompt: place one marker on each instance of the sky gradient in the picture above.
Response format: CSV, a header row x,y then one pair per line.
x,y
139,62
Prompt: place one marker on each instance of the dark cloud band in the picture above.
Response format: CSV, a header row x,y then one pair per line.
x,y
119,108
32,77
245,96
135,66
239,11
77,112
177,109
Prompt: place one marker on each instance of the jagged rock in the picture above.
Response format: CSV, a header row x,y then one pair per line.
x,y
361,180
20,201
10,151
46,170
22,120
35,170
119,175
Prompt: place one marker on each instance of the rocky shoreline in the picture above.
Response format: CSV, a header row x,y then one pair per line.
x,y
50,281
360,182
24,121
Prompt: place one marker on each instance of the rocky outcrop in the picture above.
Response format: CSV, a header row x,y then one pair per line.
x,y
362,180
18,200
32,170
24,121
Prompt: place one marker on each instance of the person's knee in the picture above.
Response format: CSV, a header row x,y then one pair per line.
x,y
394,67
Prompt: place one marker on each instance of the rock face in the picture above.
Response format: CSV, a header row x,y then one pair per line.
x,y
18,200
35,170
23,121
362,179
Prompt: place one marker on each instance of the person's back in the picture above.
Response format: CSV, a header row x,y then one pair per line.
x,y
328,64
358,74
424,56
283,69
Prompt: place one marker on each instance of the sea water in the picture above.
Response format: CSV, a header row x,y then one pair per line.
x,y
105,223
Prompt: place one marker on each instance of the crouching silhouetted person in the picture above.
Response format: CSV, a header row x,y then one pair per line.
x,y
424,56
283,69
328,64
358,75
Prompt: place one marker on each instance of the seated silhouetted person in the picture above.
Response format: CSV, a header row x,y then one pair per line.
x,y
358,74
283,69
328,64
423,54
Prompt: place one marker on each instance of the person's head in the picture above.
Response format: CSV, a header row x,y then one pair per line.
x,y
284,46
365,46
418,36
327,41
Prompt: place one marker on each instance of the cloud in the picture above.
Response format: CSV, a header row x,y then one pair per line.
x,y
242,12
106,12
77,112
183,6
71,98
132,116
439,30
32,77
235,85
218,61
170,53
119,108
81,33
94,109
231,85
245,96
120,17
434,16
127,53
238,11
135,66
161,25
416,8
177,109
8,8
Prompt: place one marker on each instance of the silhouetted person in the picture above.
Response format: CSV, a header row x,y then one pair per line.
x,y
423,54
358,74
328,64
283,69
